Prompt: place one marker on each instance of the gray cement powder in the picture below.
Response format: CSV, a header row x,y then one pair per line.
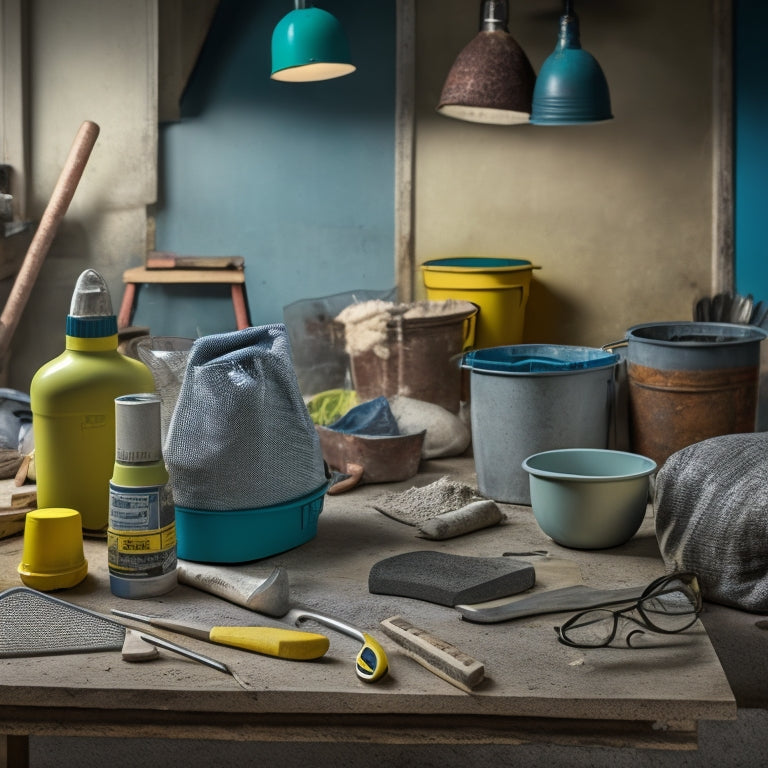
x,y
417,505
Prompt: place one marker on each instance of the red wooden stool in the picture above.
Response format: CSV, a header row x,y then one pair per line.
x,y
170,269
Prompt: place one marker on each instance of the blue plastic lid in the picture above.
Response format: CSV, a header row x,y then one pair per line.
x,y
537,358
91,327
477,262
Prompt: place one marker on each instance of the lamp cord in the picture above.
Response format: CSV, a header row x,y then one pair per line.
x,y
494,15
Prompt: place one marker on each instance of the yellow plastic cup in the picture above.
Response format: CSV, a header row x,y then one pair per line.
x,y
52,556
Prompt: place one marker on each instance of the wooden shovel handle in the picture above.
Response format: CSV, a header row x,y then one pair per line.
x,y
54,212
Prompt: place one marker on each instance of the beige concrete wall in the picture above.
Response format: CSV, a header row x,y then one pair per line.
x,y
618,215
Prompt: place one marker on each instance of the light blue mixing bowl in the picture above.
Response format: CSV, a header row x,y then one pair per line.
x,y
589,498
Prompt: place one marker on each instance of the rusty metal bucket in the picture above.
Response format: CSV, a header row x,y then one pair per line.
x,y
420,360
688,382
370,458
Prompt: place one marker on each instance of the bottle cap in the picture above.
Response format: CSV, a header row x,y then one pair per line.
x,y
137,428
52,556
90,313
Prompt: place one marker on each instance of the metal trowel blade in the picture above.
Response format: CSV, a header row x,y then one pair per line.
x,y
573,598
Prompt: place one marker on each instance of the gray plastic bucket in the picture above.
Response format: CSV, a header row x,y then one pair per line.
x,y
531,398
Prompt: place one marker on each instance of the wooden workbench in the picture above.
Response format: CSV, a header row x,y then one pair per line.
x,y
536,688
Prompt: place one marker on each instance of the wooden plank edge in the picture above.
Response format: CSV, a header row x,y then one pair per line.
x,y
325,728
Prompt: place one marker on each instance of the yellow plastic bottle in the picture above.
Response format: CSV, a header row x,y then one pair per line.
x,y
72,398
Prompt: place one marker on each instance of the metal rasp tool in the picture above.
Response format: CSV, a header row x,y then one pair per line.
x,y
270,641
33,623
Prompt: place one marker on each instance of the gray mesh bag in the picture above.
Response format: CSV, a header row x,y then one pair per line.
x,y
240,436
711,505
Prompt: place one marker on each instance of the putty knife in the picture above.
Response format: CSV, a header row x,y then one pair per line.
x,y
573,598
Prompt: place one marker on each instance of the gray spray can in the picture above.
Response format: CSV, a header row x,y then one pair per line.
x,y
141,537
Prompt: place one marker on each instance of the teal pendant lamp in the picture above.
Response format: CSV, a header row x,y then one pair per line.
x,y
309,44
571,88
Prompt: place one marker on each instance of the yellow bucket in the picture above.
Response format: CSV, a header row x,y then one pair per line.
x,y
499,287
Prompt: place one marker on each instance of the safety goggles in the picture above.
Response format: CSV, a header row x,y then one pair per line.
x,y
670,604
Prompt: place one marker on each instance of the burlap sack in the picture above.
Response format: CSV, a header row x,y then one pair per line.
x,y
711,505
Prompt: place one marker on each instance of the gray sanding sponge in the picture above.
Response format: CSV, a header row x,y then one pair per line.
x,y
447,579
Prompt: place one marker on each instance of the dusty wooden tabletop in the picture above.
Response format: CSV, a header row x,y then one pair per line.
x,y
530,676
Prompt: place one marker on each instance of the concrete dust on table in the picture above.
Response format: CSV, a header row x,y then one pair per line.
x,y
417,505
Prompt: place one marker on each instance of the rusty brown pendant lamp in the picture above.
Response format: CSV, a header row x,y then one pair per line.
x,y
492,79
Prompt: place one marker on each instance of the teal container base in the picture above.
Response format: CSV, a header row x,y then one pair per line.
x,y
242,535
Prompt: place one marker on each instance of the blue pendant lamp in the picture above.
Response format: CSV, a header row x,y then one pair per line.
x,y
571,88
309,44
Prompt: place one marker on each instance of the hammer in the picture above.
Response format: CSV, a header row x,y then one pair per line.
x,y
271,596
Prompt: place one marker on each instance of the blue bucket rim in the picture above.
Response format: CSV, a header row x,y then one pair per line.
x,y
594,359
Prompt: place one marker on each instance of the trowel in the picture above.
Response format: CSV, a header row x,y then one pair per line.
x,y
269,596
573,598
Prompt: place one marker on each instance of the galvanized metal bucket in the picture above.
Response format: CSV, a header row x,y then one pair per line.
x,y
531,398
689,381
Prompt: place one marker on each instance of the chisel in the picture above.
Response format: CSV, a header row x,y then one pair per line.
x,y
271,641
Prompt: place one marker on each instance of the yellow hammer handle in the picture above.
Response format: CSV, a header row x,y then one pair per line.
x,y
272,641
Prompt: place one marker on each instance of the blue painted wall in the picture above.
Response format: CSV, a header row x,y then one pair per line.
x,y
297,178
751,149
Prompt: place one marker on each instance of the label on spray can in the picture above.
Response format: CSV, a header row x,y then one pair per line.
x,y
141,538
